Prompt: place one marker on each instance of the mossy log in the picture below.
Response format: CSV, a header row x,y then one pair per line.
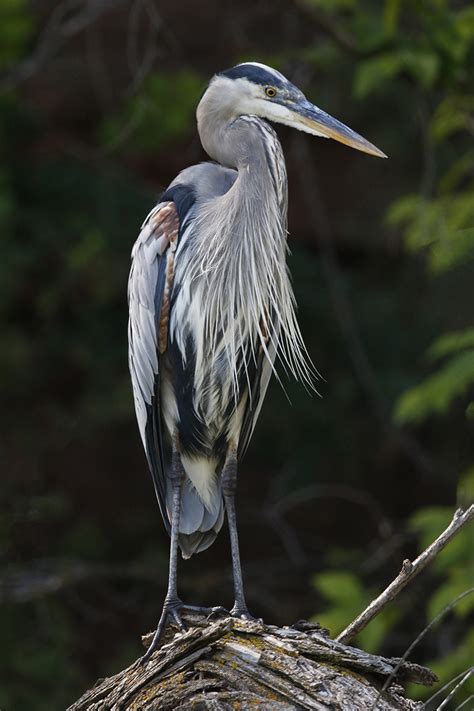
x,y
228,664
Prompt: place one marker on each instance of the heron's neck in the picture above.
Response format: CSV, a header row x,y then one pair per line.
x,y
239,251
251,146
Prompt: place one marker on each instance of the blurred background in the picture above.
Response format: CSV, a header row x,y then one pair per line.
x,y
97,107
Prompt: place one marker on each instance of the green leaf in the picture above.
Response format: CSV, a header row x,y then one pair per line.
x,y
456,248
429,523
464,23
369,31
465,492
339,586
449,591
373,74
347,597
460,171
444,225
423,65
451,343
455,113
391,16
16,26
372,637
436,393
404,209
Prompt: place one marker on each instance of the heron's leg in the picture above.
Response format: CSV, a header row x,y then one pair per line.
x,y
173,605
229,485
177,478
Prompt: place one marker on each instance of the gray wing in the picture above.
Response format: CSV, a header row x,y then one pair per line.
x,y
149,293
149,289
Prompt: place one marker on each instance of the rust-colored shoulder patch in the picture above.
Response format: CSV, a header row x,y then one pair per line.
x,y
164,224
165,304
166,228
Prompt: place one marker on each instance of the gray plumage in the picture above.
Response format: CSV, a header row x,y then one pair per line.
x,y
212,306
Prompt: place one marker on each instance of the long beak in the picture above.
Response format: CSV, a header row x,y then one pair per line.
x,y
309,118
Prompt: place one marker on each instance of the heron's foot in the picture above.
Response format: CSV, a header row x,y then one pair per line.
x,y
241,612
208,612
171,612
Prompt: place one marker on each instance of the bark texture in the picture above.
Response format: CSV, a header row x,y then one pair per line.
x,y
228,664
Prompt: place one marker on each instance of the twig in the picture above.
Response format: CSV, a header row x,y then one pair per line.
x,y
444,688
422,634
408,572
464,703
458,686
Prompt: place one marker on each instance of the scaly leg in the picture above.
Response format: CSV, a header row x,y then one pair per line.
x,y
172,604
229,485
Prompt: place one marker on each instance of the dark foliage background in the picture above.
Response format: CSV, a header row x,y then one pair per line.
x,y
96,117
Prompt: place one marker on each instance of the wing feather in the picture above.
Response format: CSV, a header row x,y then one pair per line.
x,y
147,287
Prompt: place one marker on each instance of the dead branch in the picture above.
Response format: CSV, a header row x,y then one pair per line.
x,y
408,572
219,664
68,19
424,632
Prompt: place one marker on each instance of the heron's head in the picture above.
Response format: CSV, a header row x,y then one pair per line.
x,y
258,90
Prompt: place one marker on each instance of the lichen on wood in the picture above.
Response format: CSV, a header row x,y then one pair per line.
x,y
226,664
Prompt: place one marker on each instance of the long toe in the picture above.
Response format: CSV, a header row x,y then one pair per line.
x,y
208,612
170,612
243,614
175,613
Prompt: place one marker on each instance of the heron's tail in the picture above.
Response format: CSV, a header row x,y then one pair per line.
x,y
200,520
199,523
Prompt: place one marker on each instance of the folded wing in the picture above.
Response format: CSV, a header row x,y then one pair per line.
x,y
149,289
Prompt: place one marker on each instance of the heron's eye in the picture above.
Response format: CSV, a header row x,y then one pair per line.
x,y
270,91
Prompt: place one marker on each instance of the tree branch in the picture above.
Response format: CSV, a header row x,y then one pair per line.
x,y
408,572
68,19
227,663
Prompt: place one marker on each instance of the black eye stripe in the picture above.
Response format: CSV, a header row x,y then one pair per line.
x,y
256,75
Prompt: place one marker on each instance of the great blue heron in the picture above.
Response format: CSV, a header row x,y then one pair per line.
x,y
211,307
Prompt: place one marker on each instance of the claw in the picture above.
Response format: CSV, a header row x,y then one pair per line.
x,y
244,614
209,612
215,611
178,620
173,610
169,610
